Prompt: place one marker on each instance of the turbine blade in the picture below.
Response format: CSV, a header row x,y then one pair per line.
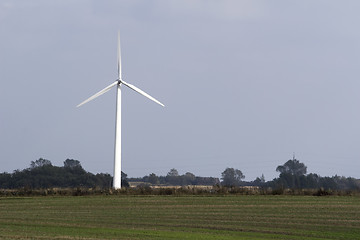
x,y
119,57
99,93
138,90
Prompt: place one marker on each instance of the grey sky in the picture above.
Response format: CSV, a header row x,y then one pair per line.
x,y
245,84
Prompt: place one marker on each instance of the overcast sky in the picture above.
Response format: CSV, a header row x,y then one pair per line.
x,y
245,84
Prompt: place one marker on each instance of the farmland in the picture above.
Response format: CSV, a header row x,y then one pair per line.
x,y
180,217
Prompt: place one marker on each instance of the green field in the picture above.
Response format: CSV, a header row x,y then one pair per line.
x,y
180,217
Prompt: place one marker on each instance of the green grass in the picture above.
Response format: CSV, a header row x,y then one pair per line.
x,y
183,217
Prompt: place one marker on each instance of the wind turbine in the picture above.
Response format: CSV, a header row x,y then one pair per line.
x,y
118,83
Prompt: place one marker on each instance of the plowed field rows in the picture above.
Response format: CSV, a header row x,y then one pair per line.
x,y
183,217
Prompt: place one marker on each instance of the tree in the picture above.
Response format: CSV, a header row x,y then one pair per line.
x,y
292,167
232,177
173,177
40,163
292,174
71,163
260,181
188,179
43,174
153,179
173,173
124,181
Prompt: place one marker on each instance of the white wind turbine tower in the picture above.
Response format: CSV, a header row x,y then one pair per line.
x,y
118,83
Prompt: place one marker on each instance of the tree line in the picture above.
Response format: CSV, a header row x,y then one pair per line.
x,y
42,174
292,175
173,178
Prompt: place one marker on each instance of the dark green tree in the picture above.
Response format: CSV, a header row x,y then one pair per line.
x,y
232,177
292,167
292,174
71,163
40,163
173,173
124,180
153,179
260,181
173,177
188,179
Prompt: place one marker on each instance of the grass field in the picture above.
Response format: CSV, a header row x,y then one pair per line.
x,y
180,217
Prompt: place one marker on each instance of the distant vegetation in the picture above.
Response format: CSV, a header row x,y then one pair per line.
x,y
173,178
292,175
42,174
